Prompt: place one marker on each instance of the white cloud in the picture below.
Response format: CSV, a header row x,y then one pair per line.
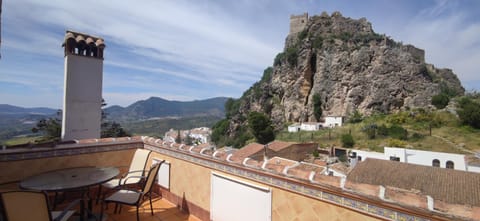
x,y
450,41
198,49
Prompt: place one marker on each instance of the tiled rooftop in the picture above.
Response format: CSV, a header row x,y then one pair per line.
x,y
448,185
247,151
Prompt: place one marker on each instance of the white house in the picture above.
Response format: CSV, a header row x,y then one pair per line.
x,y
333,121
420,157
202,134
310,126
294,128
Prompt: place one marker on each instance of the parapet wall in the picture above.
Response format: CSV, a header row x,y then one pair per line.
x,y
415,52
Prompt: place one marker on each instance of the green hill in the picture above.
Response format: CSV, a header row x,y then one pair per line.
x,y
447,133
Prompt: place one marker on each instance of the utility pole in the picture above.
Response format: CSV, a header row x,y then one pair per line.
x,y
430,128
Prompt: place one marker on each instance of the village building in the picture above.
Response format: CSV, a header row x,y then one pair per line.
x,y
419,157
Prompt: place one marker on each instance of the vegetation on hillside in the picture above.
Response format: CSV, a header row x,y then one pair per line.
x,y
50,129
317,106
469,112
232,106
261,127
440,101
420,129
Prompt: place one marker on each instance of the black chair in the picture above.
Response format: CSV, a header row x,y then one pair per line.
x,y
32,205
135,197
132,177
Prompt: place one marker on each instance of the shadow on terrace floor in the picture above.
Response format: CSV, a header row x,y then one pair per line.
x,y
162,209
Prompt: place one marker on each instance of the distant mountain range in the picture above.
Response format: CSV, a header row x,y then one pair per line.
x,y
14,117
15,121
6,109
158,108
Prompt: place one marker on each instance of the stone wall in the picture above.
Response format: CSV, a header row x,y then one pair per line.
x,y
298,23
415,52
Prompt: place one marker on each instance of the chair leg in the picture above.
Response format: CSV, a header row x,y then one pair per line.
x,y
151,207
99,192
55,200
138,217
101,211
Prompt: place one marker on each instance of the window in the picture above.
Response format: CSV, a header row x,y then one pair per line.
x,y
359,158
450,165
392,158
436,163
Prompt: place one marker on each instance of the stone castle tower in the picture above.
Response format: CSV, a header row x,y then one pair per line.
x,y
298,23
82,100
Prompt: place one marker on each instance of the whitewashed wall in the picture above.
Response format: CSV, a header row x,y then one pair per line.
x,y
82,97
333,121
426,158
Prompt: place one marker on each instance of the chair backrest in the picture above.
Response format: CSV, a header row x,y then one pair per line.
x,y
26,205
151,177
139,161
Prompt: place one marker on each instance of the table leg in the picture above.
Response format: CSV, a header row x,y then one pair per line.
x,y
82,210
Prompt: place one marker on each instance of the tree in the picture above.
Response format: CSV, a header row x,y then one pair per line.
x,y
178,139
231,107
219,130
51,129
317,106
398,132
188,140
469,112
261,127
110,128
347,140
440,101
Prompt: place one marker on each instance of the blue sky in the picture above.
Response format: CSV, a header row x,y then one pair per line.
x,y
198,49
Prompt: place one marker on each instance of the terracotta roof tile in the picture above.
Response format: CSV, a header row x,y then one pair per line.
x,y
203,145
247,151
277,164
299,173
451,186
279,145
327,180
254,163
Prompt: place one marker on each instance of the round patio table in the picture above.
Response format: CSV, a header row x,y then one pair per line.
x,y
69,178
72,179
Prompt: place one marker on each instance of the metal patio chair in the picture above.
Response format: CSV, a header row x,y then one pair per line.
x,y
33,205
135,197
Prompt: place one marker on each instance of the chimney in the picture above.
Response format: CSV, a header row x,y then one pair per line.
x,y
82,101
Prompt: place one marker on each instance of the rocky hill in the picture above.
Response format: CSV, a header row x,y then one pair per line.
x,y
349,66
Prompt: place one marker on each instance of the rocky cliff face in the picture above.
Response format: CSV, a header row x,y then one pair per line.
x,y
350,67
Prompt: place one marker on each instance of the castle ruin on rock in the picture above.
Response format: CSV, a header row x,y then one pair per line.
x,y
350,67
